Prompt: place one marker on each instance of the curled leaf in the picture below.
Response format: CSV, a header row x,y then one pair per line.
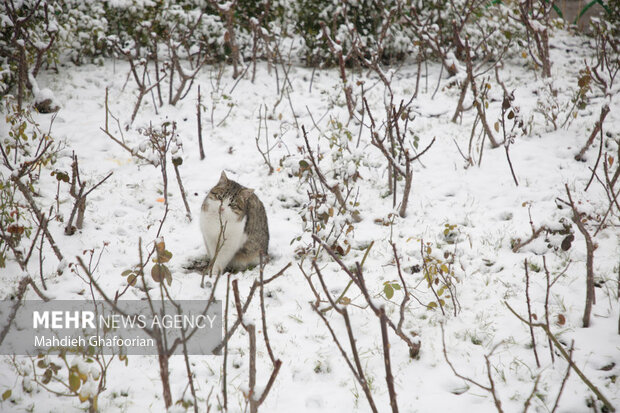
x,y
160,272
506,103
160,245
47,376
345,301
567,241
164,257
561,320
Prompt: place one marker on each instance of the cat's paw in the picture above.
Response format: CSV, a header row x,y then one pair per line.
x,y
218,269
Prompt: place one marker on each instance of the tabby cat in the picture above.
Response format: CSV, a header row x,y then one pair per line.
x,y
234,226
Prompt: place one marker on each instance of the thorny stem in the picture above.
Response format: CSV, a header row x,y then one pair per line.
x,y
106,130
40,217
228,334
547,292
199,123
386,361
565,379
590,297
338,300
490,388
358,278
225,358
529,311
335,189
478,103
567,357
254,401
357,370
176,163
21,291
262,308
597,126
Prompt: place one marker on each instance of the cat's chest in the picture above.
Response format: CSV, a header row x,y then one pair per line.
x,y
215,219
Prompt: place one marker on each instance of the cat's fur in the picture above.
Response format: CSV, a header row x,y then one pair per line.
x,y
234,218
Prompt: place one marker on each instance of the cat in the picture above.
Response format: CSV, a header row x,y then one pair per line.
x,y
234,226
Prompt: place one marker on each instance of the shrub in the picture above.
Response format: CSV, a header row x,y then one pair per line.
x,y
373,20
85,27
28,39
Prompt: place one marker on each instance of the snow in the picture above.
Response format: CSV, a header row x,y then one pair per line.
x,y
538,26
62,265
482,201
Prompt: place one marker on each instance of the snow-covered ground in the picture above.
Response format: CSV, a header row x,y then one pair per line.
x,y
482,205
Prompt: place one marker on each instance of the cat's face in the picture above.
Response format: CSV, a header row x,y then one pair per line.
x,y
223,199
229,195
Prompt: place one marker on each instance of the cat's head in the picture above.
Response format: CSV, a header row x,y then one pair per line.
x,y
228,193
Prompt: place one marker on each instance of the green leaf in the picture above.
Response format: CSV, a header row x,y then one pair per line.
x,y
74,381
131,280
388,291
126,273
396,286
61,176
164,257
431,305
6,394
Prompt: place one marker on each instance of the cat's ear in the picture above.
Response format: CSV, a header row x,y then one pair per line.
x,y
223,178
246,192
